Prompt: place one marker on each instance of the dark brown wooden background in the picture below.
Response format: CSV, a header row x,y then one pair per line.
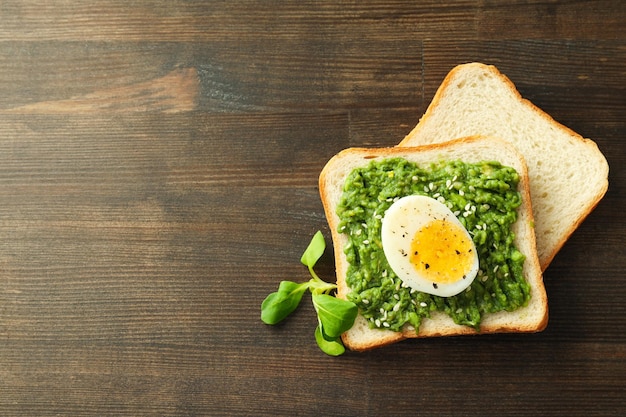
x,y
158,173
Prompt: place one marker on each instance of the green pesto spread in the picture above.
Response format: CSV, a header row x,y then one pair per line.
x,y
484,198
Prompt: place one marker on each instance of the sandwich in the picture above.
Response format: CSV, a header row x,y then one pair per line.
x,y
434,240
568,174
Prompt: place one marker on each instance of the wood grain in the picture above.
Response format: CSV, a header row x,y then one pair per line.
x,y
158,178
220,76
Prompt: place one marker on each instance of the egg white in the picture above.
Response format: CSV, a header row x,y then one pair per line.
x,y
400,224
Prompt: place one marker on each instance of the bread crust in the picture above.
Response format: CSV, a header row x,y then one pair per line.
x,y
549,241
471,149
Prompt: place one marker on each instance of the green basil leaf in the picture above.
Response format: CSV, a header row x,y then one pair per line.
x,y
314,251
332,348
335,315
278,305
291,287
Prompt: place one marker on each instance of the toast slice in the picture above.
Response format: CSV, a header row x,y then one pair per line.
x,y
568,173
530,318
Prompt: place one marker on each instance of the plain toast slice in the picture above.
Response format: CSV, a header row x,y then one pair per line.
x,y
568,173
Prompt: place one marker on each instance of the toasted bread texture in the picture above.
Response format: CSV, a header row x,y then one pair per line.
x,y
568,173
530,318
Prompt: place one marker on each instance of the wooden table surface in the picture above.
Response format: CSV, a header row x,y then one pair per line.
x,y
158,178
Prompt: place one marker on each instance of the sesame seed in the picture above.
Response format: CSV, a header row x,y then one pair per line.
x,y
431,186
495,268
382,310
365,301
426,189
436,195
457,213
461,193
396,307
441,199
467,206
377,323
414,178
459,310
396,296
386,324
479,227
423,304
449,184
366,242
358,232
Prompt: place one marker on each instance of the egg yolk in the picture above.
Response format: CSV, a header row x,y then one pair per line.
x,y
441,252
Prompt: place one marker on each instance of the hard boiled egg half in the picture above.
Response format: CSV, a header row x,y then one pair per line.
x,y
427,246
